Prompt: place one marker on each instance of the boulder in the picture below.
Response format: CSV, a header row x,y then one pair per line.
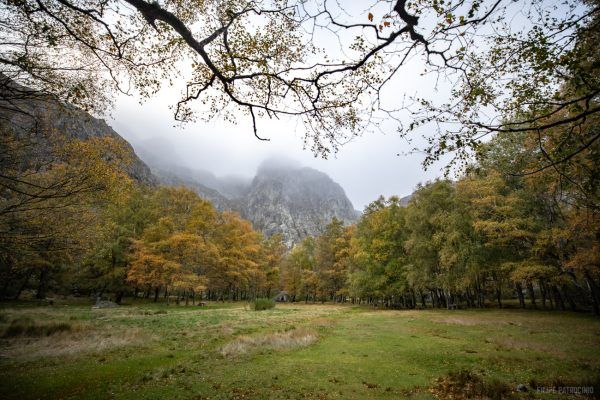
x,y
521,388
105,304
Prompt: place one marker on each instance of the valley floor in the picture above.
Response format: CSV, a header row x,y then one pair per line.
x,y
295,351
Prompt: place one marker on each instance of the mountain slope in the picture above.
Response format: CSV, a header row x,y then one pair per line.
x,y
282,198
42,117
184,177
294,201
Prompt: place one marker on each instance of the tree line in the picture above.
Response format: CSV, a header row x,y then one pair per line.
x,y
522,218
73,222
485,239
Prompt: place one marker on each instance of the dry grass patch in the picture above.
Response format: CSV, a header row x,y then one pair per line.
x,y
466,320
323,322
463,385
75,341
295,338
523,344
27,328
457,321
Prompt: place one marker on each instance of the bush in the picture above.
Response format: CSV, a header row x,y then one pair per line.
x,y
262,304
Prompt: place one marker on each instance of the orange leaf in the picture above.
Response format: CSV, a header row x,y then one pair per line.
x,y
370,17
386,23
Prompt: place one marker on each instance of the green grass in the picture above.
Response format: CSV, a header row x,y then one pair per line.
x,y
154,351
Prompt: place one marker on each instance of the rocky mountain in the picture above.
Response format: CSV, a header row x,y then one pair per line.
x,y
405,200
283,197
178,176
294,201
41,116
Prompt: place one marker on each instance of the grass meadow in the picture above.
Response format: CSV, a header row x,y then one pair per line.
x,y
294,351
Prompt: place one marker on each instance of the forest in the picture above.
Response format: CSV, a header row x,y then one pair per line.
x,y
484,239
516,218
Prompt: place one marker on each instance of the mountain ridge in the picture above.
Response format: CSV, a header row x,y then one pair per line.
x,y
285,198
44,115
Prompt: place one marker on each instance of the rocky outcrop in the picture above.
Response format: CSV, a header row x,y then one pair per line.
x,y
282,198
404,201
294,201
171,177
42,116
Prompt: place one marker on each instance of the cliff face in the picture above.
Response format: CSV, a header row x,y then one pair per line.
x,y
40,117
296,202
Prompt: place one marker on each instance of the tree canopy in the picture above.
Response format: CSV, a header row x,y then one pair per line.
x,y
512,66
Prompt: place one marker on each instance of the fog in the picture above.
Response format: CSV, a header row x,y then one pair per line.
x,y
373,164
369,166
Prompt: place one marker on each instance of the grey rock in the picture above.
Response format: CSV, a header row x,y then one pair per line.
x,y
105,304
179,178
405,200
521,388
294,201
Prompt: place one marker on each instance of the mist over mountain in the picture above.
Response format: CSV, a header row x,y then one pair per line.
x,y
283,197
295,201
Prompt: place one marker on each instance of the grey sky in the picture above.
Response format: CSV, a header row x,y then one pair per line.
x,y
366,167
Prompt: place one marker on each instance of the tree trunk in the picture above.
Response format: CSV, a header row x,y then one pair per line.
x,y
23,285
156,293
558,298
43,284
498,295
519,290
594,295
531,293
479,293
569,298
542,292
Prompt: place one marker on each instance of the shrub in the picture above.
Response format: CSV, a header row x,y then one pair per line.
x,y
262,304
465,384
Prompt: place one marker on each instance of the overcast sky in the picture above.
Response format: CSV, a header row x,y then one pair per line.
x,y
369,166
366,168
